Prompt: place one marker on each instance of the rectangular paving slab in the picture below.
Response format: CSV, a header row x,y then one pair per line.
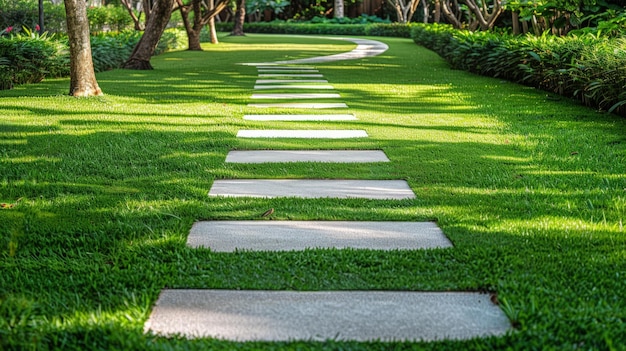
x,y
335,117
302,134
305,105
278,156
296,96
313,188
229,236
243,315
304,75
283,70
271,81
294,86
285,67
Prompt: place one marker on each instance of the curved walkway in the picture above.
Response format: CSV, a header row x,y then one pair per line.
x,y
364,48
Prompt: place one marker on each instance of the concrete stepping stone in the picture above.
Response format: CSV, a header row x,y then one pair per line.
x,y
305,105
257,315
312,75
294,86
313,188
288,71
300,117
285,67
296,96
333,156
229,236
302,134
272,81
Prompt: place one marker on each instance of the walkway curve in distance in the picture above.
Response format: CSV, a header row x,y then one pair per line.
x,y
365,48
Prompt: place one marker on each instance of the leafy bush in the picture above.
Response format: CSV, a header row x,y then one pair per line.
x,y
400,30
587,67
323,27
30,57
24,13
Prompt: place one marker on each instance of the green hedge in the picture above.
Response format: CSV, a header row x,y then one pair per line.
x,y
29,58
281,27
589,68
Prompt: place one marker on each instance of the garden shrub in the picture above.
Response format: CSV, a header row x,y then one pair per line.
x,y
589,68
29,57
323,27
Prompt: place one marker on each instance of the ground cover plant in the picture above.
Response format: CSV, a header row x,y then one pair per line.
x,y
99,194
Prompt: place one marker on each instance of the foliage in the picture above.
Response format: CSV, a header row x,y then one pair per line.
x,y
256,8
323,27
586,67
29,57
399,30
24,13
109,17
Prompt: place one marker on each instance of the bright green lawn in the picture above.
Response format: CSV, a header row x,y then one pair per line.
x,y
531,191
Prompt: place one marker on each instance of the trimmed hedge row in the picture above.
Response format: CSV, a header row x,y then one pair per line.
x,y
589,68
29,57
279,27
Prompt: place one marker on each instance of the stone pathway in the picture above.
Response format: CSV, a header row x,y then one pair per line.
x,y
320,315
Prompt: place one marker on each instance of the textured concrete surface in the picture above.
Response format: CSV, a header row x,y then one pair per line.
x,y
272,81
294,86
278,156
306,105
288,70
241,315
307,134
228,236
364,48
313,188
300,117
275,66
312,75
296,96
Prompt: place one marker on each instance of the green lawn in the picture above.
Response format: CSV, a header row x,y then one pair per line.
x,y
531,191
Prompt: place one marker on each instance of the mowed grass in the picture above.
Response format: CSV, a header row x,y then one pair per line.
x,y
531,191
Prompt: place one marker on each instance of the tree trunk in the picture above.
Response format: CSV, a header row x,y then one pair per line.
x,y
437,15
128,5
339,11
240,17
515,19
82,76
159,17
212,31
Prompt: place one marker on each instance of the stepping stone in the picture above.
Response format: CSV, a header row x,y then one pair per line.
x,y
288,70
288,86
285,67
302,134
333,156
257,315
270,81
299,117
229,236
295,96
307,105
313,75
313,188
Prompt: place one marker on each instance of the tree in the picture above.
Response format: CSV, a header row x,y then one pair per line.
x,y
339,9
82,75
240,17
155,26
405,9
200,18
